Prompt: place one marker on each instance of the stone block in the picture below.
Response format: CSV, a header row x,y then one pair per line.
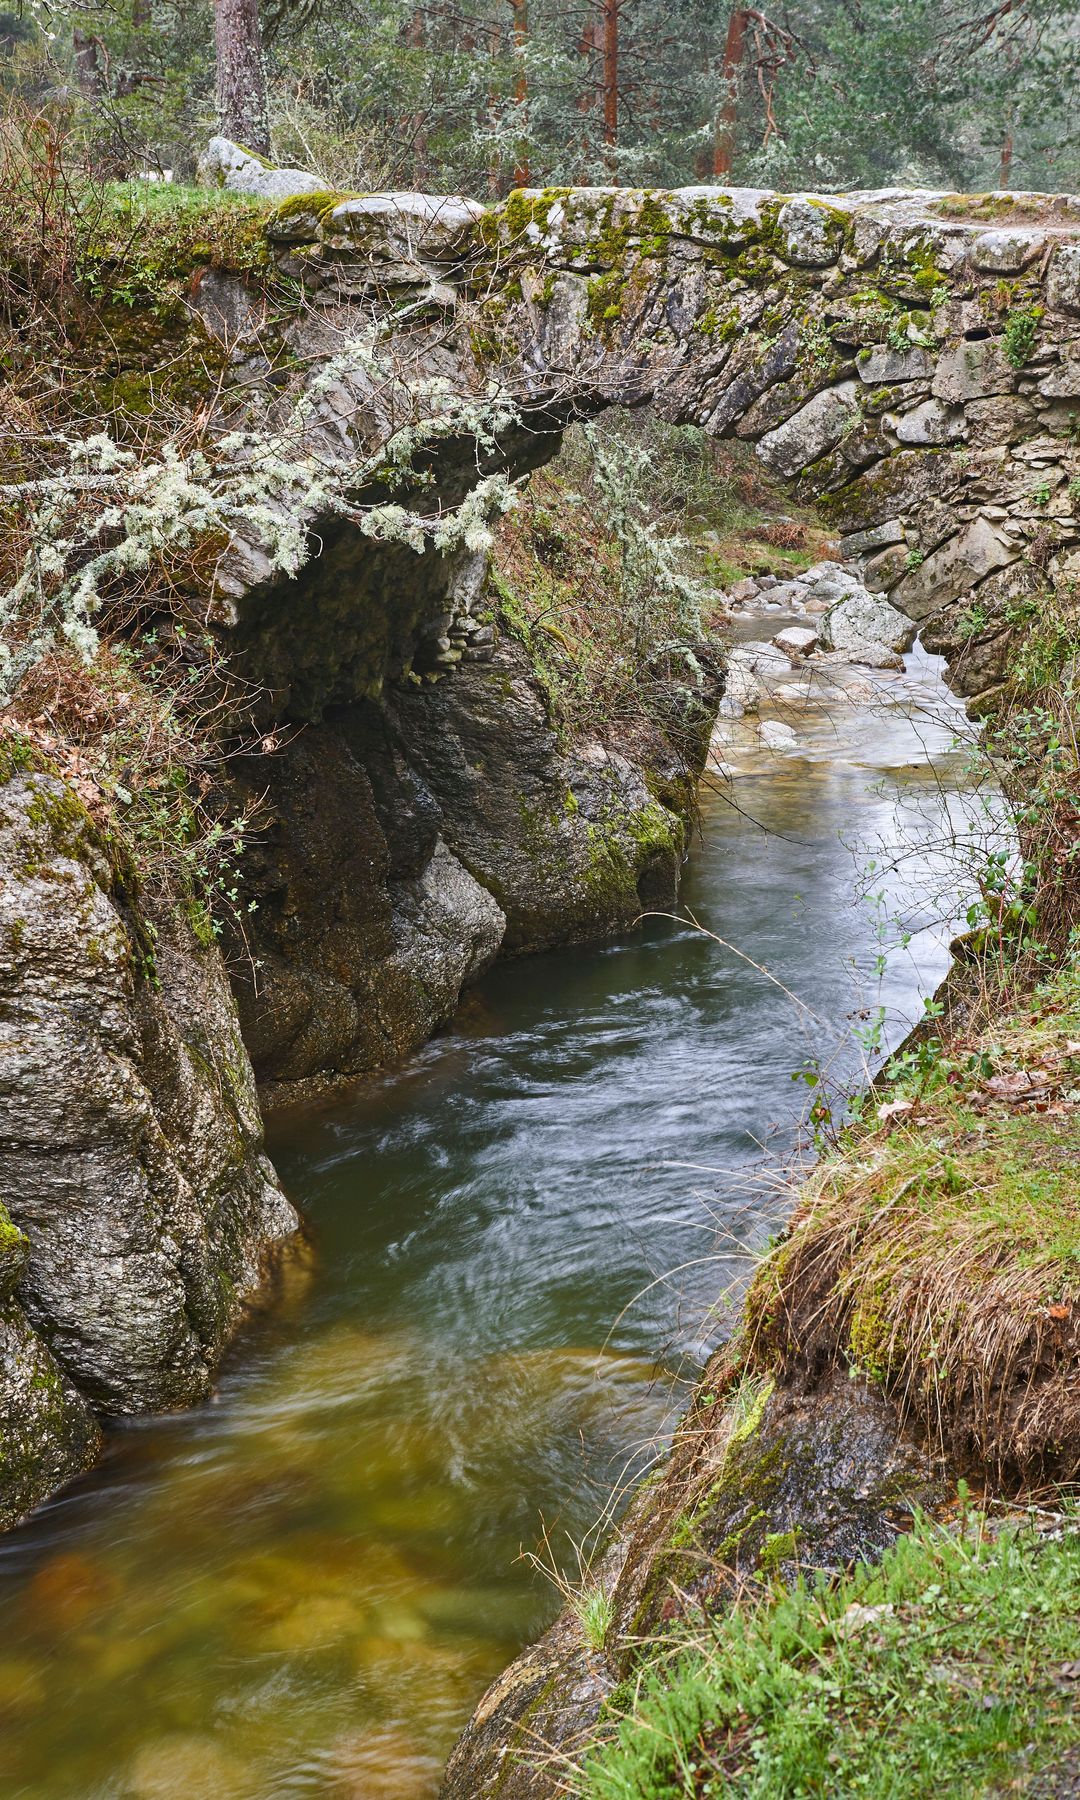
x,y
811,238
930,423
1006,252
880,365
970,370
963,560
879,537
813,430
1063,279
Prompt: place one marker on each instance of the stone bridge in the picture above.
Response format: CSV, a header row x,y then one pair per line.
x,y
909,362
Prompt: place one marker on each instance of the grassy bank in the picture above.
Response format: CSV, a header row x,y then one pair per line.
x,y
933,1261
949,1668
938,1251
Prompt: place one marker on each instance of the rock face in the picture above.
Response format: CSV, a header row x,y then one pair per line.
x,y
48,1433
804,1481
415,836
130,1148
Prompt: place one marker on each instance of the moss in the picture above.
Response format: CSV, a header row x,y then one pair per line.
x,y
952,1250
318,204
17,755
11,1238
777,1547
64,817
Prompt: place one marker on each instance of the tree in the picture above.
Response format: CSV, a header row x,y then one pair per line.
x,y
520,11
610,10
241,74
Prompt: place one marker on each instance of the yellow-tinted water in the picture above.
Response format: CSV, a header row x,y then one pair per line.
x,y
302,1588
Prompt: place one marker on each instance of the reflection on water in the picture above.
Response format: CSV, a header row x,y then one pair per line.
x,y
519,1241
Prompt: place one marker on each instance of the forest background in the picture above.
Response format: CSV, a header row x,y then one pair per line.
x,y
480,96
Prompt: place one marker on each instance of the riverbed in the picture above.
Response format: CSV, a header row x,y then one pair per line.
x,y
523,1246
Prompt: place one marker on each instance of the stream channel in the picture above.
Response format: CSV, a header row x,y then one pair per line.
x,y
519,1240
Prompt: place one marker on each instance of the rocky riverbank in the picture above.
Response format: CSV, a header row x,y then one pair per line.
x,y
917,1324
401,842
915,1327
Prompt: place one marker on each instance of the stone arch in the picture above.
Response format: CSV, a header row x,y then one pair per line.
x,y
908,362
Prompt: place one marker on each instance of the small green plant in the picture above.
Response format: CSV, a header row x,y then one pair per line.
x,y
595,1611
974,620
1021,330
914,559
1040,496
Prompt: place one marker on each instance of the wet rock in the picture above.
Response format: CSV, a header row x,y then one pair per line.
x,y
796,641
811,1482
569,840
742,689
775,735
368,927
862,624
130,1138
743,591
48,1433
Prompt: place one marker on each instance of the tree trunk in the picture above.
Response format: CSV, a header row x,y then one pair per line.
x,y
520,10
88,70
241,76
611,76
1006,153
734,46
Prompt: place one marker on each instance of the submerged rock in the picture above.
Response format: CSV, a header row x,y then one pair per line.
x,y
775,735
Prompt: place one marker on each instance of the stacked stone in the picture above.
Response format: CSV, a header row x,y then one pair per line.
x,y
910,362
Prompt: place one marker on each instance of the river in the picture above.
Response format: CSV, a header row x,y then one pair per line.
x,y
521,1244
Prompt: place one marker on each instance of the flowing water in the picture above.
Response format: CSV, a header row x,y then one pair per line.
x,y
519,1245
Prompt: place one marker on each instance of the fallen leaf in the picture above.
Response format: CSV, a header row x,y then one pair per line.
x,y
893,1108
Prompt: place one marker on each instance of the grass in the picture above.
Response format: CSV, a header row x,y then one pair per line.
x,y
945,1670
595,1612
938,1251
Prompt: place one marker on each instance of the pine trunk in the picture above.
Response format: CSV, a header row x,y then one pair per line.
x,y
520,10
734,47
611,75
241,76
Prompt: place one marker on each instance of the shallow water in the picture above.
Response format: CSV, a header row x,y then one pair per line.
x,y
519,1244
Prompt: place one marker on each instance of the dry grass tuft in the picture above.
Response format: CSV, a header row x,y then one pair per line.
x,y
939,1253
